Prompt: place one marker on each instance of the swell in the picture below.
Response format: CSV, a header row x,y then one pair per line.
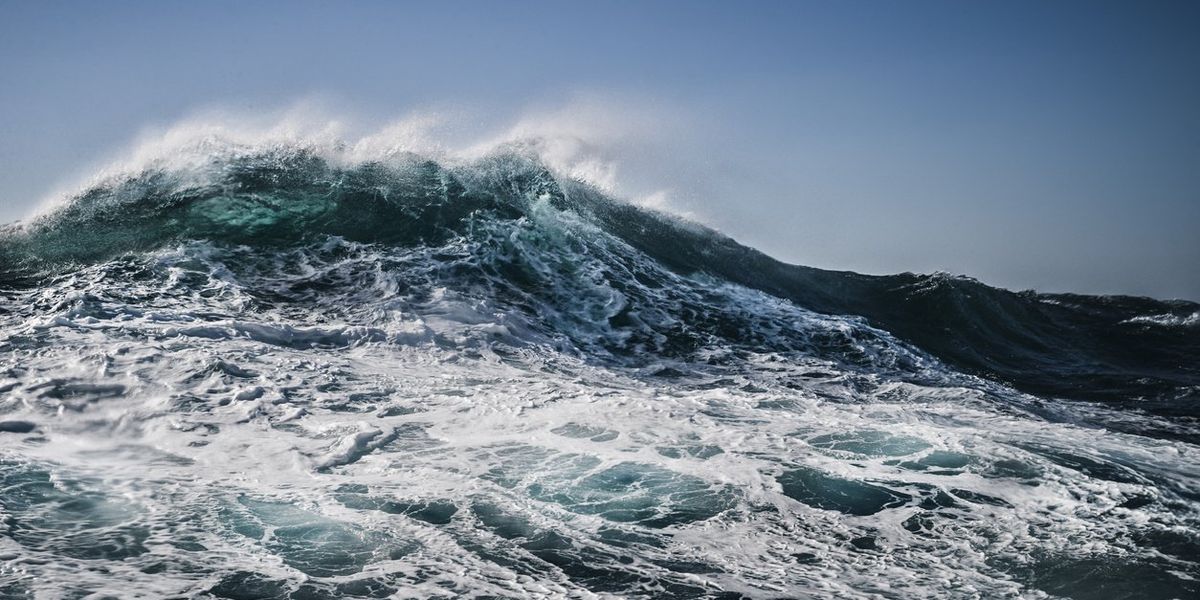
x,y
1132,352
1138,352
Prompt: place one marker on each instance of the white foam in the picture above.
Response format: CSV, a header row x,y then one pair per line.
x,y
588,138
1167,320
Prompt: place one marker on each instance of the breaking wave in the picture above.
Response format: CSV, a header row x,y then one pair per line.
x,y
270,371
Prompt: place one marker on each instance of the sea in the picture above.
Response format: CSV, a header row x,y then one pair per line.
x,y
277,371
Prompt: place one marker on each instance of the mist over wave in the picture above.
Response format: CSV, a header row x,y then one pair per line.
x,y
286,366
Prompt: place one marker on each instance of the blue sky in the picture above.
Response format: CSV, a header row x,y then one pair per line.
x,y
1053,145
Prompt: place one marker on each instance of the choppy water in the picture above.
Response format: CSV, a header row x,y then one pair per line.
x,y
270,375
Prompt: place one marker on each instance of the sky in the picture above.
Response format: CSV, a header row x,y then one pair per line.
x,y
1046,145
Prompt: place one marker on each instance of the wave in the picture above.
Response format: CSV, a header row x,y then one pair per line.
x,y
1131,352
273,371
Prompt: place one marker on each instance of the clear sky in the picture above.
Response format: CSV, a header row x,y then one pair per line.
x,y
1048,144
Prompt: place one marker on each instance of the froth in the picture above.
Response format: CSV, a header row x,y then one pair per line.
x,y
587,139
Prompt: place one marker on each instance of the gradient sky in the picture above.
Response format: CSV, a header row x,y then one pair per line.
x,y
1050,145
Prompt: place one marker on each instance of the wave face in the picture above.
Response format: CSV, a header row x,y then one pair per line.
x,y
270,374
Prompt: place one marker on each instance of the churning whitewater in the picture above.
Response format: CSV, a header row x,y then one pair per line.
x,y
270,371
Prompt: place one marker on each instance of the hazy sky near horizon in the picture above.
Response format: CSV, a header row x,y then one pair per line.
x,y
1047,145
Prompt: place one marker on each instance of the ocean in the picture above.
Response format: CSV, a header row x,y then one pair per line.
x,y
270,372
